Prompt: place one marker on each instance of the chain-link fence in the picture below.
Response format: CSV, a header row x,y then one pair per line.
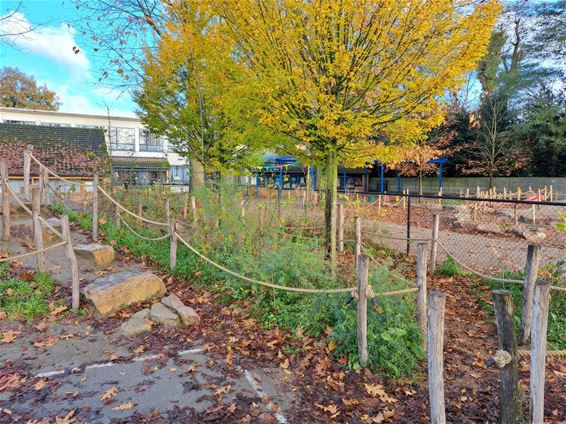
x,y
489,236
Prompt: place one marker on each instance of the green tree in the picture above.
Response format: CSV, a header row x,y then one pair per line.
x,y
20,90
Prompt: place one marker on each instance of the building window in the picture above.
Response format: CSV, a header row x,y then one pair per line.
x,y
179,175
13,121
148,142
123,139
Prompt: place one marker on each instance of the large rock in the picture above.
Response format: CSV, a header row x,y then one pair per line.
x,y
187,314
110,292
24,228
161,314
490,228
137,323
530,233
100,254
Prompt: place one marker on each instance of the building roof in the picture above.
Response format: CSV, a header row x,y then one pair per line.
x,y
39,112
66,150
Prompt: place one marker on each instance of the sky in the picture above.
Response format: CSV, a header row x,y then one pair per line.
x,y
47,54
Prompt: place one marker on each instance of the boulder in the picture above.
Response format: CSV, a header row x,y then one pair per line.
x,y
530,233
137,323
110,292
100,254
161,314
489,228
24,228
186,313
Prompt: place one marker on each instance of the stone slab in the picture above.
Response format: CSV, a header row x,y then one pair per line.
x,y
99,254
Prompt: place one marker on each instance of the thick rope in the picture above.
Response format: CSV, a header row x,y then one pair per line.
x,y
143,237
490,277
49,171
141,218
35,252
29,211
259,282
397,292
551,354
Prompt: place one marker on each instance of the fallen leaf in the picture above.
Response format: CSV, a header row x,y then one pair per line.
x,y
379,391
3,315
57,310
40,384
109,394
139,349
124,407
68,419
45,343
222,391
10,382
9,336
332,409
42,325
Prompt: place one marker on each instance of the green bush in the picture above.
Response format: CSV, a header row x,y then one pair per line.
x,y
450,268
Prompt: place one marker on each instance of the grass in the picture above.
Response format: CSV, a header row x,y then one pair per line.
x,y
25,299
449,268
267,253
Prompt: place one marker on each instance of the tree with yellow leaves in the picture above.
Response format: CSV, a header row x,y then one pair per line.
x,y
355,79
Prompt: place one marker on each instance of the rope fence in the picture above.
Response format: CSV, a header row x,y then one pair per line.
x,y
33,253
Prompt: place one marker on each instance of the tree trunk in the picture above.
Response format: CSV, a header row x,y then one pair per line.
x,y
420,180
330,206
197,175
307,189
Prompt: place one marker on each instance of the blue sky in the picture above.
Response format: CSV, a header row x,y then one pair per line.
x,y
47,54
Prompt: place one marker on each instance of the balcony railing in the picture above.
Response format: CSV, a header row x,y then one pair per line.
x,y
122,147
151,147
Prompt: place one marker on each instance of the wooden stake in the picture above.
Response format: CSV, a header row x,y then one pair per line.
x,y
436,306
140,213
70,253
243,208
5,201
167,210
37,231
358,230
185,205
95,207
550,194
516,214
27,171
379,201
194,208
467,192
518,193
421,294
83,195
172,245
117,221
341,227
362,267
538,351
510,410
534,209
531,272
434,243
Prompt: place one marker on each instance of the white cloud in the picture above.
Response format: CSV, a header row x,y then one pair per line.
x,y
55,43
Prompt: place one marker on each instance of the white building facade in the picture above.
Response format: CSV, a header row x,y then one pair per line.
x,y
138,157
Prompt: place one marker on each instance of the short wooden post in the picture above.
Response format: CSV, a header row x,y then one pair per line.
x,y
510,410
70,253
117,221
531,272
358,230
27,171
243,208
534,209
550,193
538,351
341,227
379,200
41,184
516,214
185,205
37,231
518,193
467,192
436,306
167,210
5,201
421,294
46,190
194,208
83,195
362,267
95,207
434,243
172,245
140,213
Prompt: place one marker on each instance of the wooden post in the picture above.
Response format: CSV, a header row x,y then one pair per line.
x,y
341,227
505,193
531,272
516,214
434,243
362,267
379,200
46,192
27,171
358,230
185,205
467,192
37,231
194,208
167,211
95,208
70,253
117,221
518,193
83,195
172,245
436,306
421,294
140,213
510,410
538,351
550,194
41,184
5,201
243,208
